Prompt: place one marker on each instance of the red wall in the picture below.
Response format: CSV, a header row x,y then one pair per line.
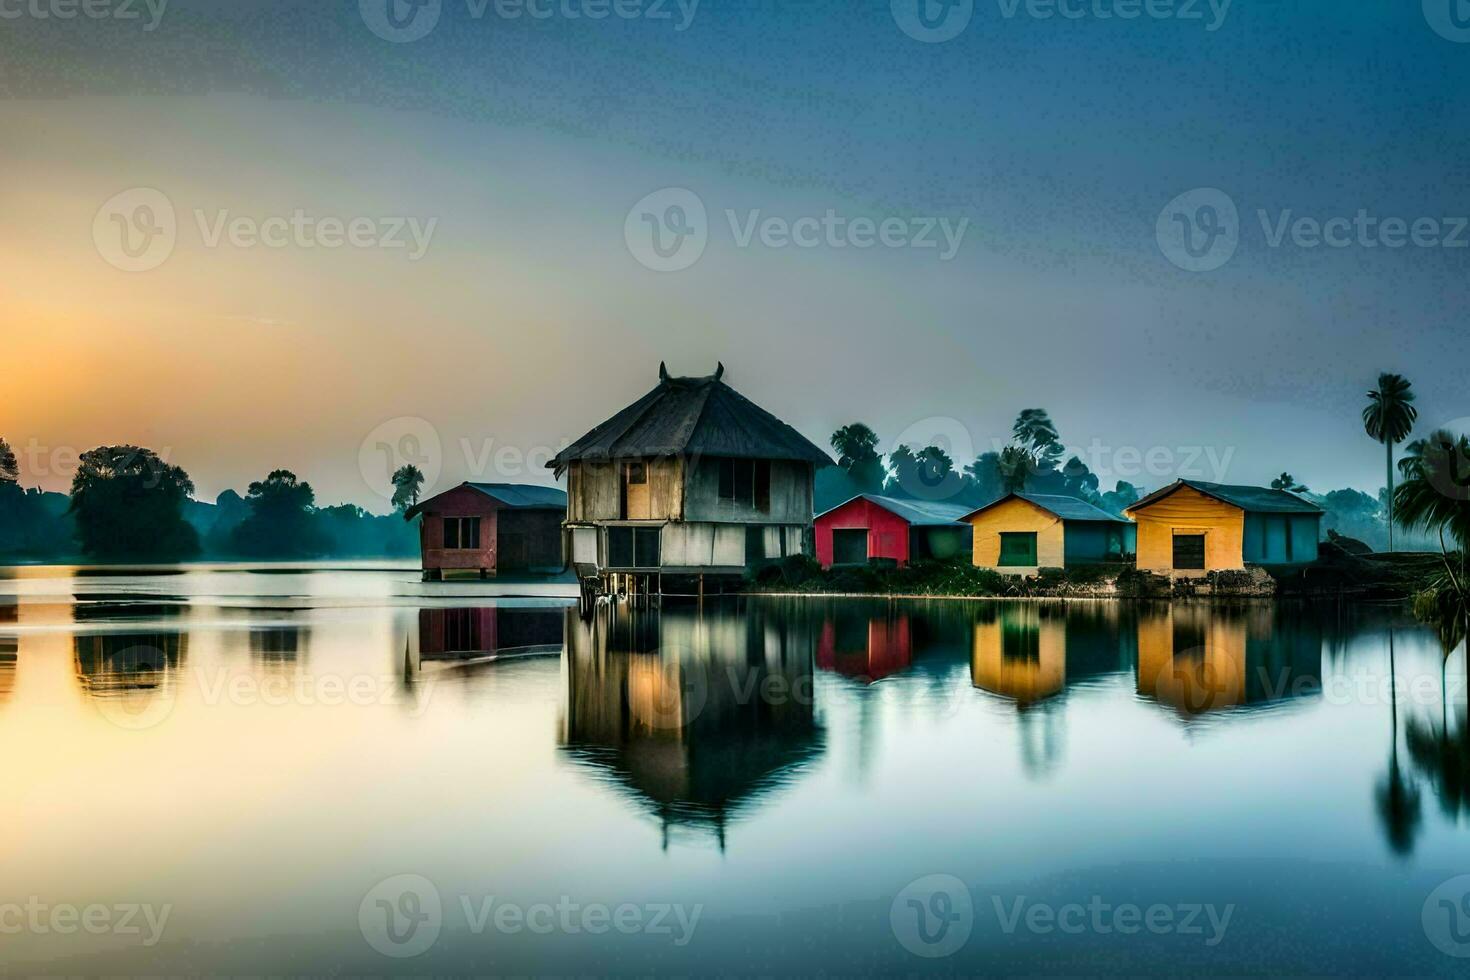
x,y
888,534
459,502
890,649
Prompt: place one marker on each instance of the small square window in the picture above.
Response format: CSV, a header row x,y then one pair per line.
x,y
637,473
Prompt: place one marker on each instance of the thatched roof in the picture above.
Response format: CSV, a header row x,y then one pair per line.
x,y
692,417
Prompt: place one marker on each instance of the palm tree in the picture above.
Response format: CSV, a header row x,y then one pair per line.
x,y
408,480
1389,417
1435,496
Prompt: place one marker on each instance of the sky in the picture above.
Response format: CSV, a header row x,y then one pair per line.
x,y
332,236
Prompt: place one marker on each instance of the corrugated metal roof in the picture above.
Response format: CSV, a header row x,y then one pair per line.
x,y
920,513
514,496
692,416
520,496
1257,500
1070,508
1067,508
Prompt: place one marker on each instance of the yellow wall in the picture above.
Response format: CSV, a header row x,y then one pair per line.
x,y
1193,681
1025,681
1187,511
1018,515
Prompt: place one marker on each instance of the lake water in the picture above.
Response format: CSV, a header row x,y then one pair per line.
x,y
348,771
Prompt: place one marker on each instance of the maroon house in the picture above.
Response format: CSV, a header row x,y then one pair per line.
x,y
491,528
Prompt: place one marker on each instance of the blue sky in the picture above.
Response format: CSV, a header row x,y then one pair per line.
x,y
1056,141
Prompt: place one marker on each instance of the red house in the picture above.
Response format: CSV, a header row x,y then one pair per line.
x,y
869,526
491,528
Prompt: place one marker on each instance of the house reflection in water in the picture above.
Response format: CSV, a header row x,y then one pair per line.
x,y
1021,652
489,630
9,646
1030,652
866,645
698,716
130,677
1199,658
277,648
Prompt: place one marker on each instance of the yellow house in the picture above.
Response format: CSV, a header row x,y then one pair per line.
x,y
1192,528
1021,654
1022,533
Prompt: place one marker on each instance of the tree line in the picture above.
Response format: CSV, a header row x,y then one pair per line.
x,y
128,504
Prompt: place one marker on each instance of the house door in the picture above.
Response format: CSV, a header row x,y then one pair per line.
x,y
1189,551
636,505
849,546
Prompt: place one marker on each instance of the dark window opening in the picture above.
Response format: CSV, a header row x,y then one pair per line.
x,y
1018,548
461,630
461,533
1189,638
637,473
1189,551
1020,642
633,547
746,482
849,546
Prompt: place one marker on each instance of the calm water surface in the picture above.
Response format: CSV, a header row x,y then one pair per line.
x,y
348,771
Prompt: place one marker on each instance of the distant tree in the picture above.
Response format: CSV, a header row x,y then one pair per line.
x,y
904,464
856,446
985,482
9,468
1016,466
935,466
1120,498
128,504
1034,431
408,480
1389,418
1287,482
280,524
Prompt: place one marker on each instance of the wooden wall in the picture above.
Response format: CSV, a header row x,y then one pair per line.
x,y
459,502
595,490
791,495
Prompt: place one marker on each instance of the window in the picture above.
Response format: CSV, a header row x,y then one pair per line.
x,y
1189,551
637,474
461,533
746,482
1018,548
849,546
633,547
461,630
1020,642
